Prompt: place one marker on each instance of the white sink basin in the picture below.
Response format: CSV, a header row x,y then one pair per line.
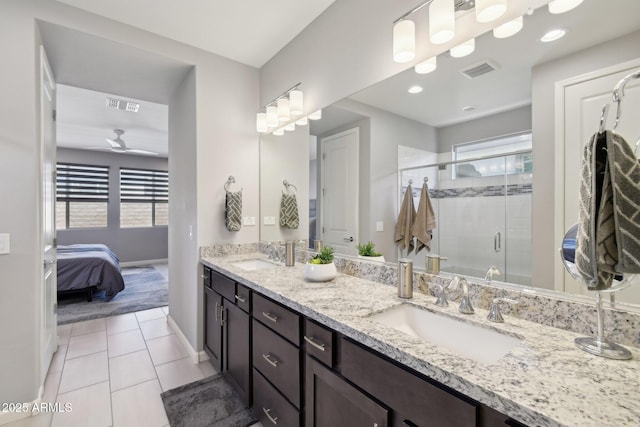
x,y
466,339
254,264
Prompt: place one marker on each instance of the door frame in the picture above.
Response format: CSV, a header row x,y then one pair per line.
x,y
560,87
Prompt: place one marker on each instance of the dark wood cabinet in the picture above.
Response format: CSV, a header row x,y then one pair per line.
x,y
238,353
213,327
331,401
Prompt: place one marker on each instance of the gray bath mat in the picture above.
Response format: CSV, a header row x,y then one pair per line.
x,y
210,402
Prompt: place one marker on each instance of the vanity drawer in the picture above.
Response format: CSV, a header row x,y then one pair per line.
x,y
411,398
269,405
280,319
206,276
278,361
318,342
243,298
223,285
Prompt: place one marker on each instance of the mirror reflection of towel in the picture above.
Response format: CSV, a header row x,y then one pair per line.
x,y
233,211
289,217
425,221
404,237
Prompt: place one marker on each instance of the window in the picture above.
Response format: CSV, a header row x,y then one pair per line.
x,y
144,197
498,156
82,195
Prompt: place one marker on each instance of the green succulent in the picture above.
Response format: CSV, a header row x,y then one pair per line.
x,y
325,256
367,250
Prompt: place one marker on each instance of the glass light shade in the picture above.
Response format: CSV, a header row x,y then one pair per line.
x,y
296,102
278,132
508,28
404,41
442,21
302,121
291,126
316,115
427,66
490,10
284,114
463,49
272,116
261,123
562,6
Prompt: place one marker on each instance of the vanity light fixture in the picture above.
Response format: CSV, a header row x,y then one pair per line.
x,y
562,6
553,35
296,103
404,41
261,123
415,89
442,21
490,10
316,115
290,127
280,109
272,116
302,121
427,66
278,132
463,49
284,114
508,29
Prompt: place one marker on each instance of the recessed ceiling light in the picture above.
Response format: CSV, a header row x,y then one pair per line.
x,y
415,89
553,35
468,108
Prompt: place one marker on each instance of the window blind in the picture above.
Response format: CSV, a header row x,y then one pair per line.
x,y
82,183
140,185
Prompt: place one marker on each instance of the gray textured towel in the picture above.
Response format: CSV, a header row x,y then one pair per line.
x,y
608,240
425,221
404,237
289,217
233,211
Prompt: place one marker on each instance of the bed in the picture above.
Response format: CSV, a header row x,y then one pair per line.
x,y
89,267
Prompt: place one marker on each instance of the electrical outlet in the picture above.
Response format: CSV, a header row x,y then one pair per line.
x,y
249,220
379,226
269,220
5,244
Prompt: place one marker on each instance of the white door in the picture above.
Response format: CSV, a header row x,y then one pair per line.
x,y
48,165
339,183
582,111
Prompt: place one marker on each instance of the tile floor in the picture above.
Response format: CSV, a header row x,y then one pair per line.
x,y
112,371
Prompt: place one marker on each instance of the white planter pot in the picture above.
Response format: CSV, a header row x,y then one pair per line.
x,y
320,272
373,258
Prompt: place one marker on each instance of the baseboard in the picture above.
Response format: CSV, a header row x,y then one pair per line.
x,y
145,262
196,357
8,417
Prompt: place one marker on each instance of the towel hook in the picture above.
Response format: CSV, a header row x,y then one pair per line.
x,y
230,180
287,184
618,93
410,181
603,117
426,179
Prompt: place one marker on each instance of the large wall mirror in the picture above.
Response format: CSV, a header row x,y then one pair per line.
x,y
497,135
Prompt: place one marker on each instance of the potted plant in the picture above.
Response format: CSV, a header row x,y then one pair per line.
x,y
367,251
321,268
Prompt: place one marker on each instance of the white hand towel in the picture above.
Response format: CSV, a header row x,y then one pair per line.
x,y
404,238
425,221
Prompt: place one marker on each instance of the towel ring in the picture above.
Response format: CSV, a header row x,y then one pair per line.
x,y
230,180
426,179
287,184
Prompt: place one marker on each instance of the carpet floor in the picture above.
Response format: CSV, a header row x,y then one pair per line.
x,y
145,288
210,402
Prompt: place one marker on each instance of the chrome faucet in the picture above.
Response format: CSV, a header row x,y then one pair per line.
x,y
465,301
492,271
494,309
441,300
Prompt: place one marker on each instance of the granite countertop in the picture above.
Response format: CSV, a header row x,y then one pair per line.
x,y
543,381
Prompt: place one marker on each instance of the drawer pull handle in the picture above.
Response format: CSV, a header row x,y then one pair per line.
x,y
266,411
311,341
270,316
239,298
270,361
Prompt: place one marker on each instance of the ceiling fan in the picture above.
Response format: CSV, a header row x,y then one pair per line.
x,y
117,145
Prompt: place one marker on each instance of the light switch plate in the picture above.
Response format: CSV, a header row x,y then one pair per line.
x,y
269,220
249,220
5,244
379,226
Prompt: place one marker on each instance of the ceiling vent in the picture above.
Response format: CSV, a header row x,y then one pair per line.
x,y
120,104
478,69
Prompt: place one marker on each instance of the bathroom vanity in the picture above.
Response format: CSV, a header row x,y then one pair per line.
x,y
321,354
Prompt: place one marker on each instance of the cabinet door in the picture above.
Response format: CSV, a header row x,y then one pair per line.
x,y
331,401
213,327
238,354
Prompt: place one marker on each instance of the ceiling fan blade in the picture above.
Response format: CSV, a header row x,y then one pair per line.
x,y
133,150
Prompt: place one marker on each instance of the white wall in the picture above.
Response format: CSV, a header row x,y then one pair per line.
x,y
224,140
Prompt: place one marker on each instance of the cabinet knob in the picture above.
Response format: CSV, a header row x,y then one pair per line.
x,y
267,412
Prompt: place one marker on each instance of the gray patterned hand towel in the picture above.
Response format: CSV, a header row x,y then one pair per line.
x,y
289,217
233,211
609,233
404,237
425,221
